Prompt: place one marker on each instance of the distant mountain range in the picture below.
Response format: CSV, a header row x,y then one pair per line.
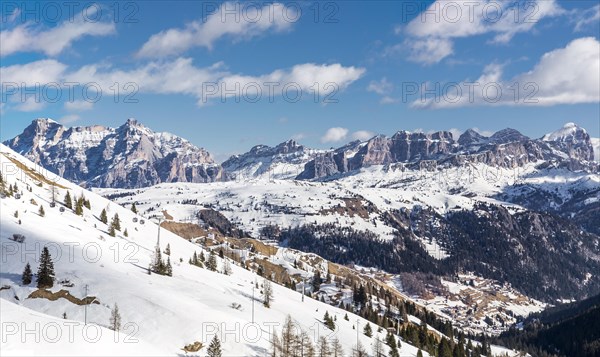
x,y
129,156
133,156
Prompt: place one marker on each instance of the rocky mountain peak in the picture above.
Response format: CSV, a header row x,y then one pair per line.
x,y
129,156
572,139
569,132
471,137
288,146
507,135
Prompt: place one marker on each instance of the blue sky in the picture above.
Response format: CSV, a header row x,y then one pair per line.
x,y
371,62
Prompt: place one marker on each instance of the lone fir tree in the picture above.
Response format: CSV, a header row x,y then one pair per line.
x,y
134,208
103,216
27,275
267,293
214,349
367,330
45,274
68,201
212,261
116,222
158,265
115,319
79,206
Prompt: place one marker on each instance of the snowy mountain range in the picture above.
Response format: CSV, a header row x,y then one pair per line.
x,y
128,156
133,156
570,147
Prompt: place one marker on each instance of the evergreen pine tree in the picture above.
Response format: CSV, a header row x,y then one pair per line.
x,y
103,216
212,261
125,233
27,275
168,249
390,340
133,208
316,281
156,266
79,206
68,201
367,330
267,293
115,319
226,267
168,267
45,274
214,349
116,222
41,211
419,353
111,231
328,321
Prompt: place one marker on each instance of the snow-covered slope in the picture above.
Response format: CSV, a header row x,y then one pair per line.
x,y
163,313
26,332
256,203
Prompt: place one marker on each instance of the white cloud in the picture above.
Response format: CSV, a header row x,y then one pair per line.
x,y
566,75
362,135
483,132
30,104
334,135
68,119
388,100
429,50
381,87
298,136
30,37
596,145
455,133
431,34
180,76
79,105
43,72
234,19
587,17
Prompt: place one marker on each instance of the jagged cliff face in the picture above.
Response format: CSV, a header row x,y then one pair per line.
x,y
129,156
569,147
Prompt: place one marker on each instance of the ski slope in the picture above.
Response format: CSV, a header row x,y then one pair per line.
x,y
162,314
